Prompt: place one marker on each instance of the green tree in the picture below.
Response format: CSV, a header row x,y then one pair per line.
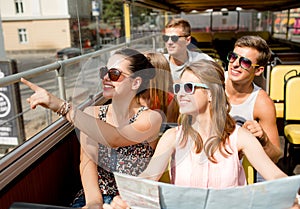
x,y
112,14
112,11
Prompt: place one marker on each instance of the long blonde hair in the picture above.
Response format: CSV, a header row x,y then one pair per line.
x,y
211,74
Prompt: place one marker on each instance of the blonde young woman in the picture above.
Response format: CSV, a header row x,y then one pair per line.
x,y
118,137
205,147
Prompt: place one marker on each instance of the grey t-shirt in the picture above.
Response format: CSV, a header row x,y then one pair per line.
x,y
176,70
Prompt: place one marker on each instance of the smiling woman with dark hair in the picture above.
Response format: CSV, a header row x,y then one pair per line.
x,y
117,137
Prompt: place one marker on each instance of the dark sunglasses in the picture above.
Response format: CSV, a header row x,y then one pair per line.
x,y
244,62
113,73
174,38
189,88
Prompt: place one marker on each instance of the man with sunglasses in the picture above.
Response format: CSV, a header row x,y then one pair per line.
x,y
177,37
251,106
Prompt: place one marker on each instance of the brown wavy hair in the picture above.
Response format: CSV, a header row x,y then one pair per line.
x,y
211,74
162,83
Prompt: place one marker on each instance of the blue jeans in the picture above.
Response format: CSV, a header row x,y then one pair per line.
x,y
80,201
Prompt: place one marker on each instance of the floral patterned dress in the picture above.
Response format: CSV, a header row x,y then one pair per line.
x,y
131,160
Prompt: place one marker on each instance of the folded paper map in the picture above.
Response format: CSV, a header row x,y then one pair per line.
x,y
142,193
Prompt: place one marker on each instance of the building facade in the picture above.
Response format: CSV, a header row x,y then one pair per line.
x,y
42,24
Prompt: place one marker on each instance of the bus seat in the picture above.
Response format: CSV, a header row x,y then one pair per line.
x,y
166,177
204,39
285,57
224,36
208,50
280,49
263,34
291,120
276,90
249,171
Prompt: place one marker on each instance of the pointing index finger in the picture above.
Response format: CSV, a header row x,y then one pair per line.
x,y
33,86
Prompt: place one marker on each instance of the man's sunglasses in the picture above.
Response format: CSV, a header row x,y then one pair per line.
x,y
244,62
113,73
174,38
188,88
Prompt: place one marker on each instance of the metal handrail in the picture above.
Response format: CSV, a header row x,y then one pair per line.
x,y
59,66
11,79
16,161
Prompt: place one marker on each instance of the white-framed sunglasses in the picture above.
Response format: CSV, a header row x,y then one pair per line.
x,y
188,87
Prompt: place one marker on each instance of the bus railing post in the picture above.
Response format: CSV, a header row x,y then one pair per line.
x,y
60,79
154,43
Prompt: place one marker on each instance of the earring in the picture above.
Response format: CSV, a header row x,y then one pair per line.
x,y
209,97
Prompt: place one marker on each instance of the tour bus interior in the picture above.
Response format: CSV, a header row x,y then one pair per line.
x,y
53,177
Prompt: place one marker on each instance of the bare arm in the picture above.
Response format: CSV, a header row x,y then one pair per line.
x,y
117,203
266,128
88,169
161,157
155,168
146,127
257,156
88,172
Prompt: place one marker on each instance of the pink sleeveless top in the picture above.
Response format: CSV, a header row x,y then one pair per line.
x,y
195,170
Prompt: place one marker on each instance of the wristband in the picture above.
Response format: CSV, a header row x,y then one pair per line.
x,y
64,109
263,140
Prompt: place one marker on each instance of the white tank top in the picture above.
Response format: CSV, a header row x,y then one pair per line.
x,y
243,112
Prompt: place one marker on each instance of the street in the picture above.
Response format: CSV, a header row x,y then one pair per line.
x,y
26,61
75,78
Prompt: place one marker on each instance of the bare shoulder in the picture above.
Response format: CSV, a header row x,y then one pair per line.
x,y
149,119
92,110
244,137
243,132
150,115
169,135
168,140
153,112
263,98
264,105
171,132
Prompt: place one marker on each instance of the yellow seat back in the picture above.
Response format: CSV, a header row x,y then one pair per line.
x,y
202,36
276,90
292,99
291,120
277,80
249,171
263,34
